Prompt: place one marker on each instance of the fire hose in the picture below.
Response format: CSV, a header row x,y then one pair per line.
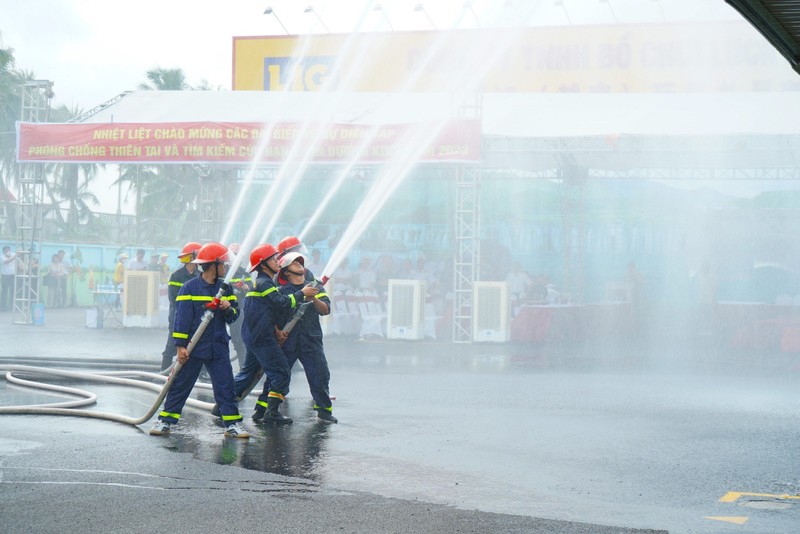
x,y
64,409
298,315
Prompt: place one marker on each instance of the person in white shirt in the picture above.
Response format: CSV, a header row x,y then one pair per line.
x,y
8,267
518,281
138,263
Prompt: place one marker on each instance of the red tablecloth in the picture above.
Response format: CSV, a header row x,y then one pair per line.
x,y
544,323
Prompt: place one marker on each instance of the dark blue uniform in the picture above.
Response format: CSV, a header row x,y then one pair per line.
x,y
305,344
211,349
239,281
261,310
176,280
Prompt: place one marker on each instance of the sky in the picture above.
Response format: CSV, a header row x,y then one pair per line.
x,y
93,50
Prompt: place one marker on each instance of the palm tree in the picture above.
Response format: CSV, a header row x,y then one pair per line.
x,y
165,80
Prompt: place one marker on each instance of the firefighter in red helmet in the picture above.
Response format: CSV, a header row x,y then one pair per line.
x,y
180,276
304,342
263,306
196,297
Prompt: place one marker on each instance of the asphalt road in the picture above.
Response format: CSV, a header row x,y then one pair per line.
x,y
433,437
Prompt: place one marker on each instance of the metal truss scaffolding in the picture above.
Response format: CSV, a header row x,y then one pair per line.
x,y
467,251
36,96
210,204
467,236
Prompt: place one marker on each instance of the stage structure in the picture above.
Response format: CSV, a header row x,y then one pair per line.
x,y
570,139
36,96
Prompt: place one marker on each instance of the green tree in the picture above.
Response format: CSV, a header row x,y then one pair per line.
x,y
165,80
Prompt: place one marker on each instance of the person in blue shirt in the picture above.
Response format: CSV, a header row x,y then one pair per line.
x,y
196,297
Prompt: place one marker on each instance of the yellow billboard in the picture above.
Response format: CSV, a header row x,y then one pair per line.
x,y
645,58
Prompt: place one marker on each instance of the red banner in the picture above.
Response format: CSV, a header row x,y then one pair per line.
x,y
238,142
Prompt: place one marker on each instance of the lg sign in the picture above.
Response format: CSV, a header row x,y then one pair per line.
x,y
307,74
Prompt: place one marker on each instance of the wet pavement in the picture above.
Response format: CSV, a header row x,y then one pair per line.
x,y
433,437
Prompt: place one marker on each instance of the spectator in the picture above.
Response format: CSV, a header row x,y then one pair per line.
x,y
154,265
7,269
64,275
315,264
55,277
342,277
384,271
164,266
519,282
138,263
119,271
365,277
553,296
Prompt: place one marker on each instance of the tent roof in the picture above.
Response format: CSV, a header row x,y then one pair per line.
x,y
503,114
778,21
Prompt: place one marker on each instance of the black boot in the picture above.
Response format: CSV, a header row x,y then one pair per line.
x,y
326,415
273,415
258,416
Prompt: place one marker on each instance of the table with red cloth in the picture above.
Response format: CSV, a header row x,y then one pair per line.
x,y
759,326
542,323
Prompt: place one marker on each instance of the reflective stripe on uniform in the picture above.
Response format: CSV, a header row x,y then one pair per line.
x,y
178,335
168,414
236,417
199,298
177,284
261,293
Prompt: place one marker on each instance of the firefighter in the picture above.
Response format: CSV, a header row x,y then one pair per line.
x,y
304,342
291,243
262,306
241,284
180,276
211,349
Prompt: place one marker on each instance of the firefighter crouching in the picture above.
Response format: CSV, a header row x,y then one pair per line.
x,y
211,349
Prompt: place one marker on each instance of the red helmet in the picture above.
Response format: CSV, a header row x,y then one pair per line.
x,y
212,253
262,252
291,243
188,249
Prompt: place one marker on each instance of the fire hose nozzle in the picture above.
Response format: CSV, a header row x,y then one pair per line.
x,y
214,304
324,280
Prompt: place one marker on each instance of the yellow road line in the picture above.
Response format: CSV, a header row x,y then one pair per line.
x,y
732,496
739,520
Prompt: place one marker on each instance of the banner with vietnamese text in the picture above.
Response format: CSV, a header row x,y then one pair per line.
x,y
241,142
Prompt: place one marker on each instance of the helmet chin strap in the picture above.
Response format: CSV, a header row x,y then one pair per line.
x,y
294,273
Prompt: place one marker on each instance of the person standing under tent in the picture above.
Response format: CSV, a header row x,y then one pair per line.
x,y
180,276
304,342
211,350
138,263
314,264
65,271
7,269
241,284
164,266
262,307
